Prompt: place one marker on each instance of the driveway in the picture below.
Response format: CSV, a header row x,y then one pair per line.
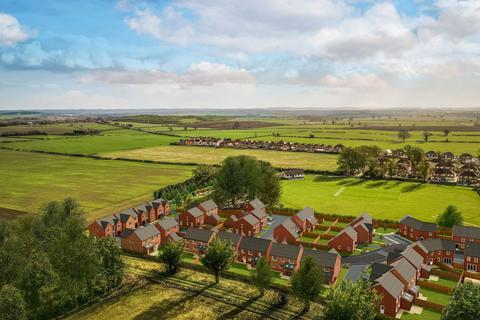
x,y
393,238
368,258
355,272
277,219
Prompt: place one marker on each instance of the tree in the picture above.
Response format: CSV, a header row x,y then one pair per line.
x,y
218,257
350,161
423,170
464,303
262,275
426,135
403,135
236,125
110,261
450,217
351,301
270,188
307,282
172,254
446,132
12,304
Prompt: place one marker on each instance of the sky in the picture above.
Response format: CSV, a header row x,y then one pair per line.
x,y
57,54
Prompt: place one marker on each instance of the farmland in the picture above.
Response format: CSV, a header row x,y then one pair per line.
x,y
382,199
30,180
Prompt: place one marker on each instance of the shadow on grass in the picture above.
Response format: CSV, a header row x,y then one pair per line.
x,y
412,187
321,178
394,185
239,308
352,183
376,184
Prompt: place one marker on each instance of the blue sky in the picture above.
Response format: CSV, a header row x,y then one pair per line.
x,y
212,53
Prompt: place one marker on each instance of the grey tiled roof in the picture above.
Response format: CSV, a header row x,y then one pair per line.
x,y
196,212
472,249
324,258
127,213
255,244
466,232
107,220
438,244
257,204
404,268
418,224
251,219
285,250
391,284
258,213
291,227
209,205
349,231
378,270
226,235
198,234
413,256
147,232
168,223
305,213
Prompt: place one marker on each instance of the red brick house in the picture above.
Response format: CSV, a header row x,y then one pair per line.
x,y
129,219
210,209
364,227
261,216
407,274
143,240
330,261
169,229
161,206
141,215
152,214
109,226
345,241
197,240
391,290
287,232
235,238
436,250
471,257
233,218
251,249
285,258
305,220
248,225
258,209
463,235
416,229
193,217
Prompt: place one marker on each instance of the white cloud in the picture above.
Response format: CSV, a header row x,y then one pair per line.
x,y
11,32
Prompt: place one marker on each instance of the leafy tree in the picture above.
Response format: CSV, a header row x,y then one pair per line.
x,y
351,301
262,275
270,188
218,257
390,167
236,125
403,135
423,170
464,304
350,161
426,135
307,282
450,217
446,132
110,261
172,254
12,304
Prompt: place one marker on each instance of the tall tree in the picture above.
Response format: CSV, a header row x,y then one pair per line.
x,y
270,188
218,257
12,304
446,132
464,304
450,217
171,254
307,282
351,161
110,261
262,275
423,170
426,135
351,301
403,135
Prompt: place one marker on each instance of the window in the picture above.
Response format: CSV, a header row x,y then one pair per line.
x,y
468,259
382,309
475,260
448,253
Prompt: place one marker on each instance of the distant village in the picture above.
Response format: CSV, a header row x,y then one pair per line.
x,y
144,229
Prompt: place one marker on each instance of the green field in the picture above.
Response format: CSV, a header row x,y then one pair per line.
x,y
425,315
30,180
57,128
382,199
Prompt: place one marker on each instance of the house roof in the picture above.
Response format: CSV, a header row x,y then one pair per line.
x,y
167,223
324,258
378,270
413,256
285,250
418,224
349,231
255,244
208,205
107,220
198,234
438,244
466,232
250,219
472,249
405,269
259,213
174,237
157,202
307,213
391,284
291,228
257,204
293,172
226,235
196,212
143,233
124,215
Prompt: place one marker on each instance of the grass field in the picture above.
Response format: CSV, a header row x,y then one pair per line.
x,y
425,315
213,156
30,180
57,128
382,199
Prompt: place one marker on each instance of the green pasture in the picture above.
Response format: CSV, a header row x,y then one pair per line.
x,y
382,199
28,180
57,128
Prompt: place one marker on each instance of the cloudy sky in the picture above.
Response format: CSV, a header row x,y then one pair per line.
x,y
239,53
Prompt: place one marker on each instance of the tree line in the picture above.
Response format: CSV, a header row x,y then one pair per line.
x,y
48,265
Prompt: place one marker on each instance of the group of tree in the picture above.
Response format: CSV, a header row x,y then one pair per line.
x,y
49,266
464,304
450,217
242,178
370,161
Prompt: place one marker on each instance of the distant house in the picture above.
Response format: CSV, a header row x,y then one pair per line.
x,y
465,158
251,249
285,258
255,204
209,208
232,219
471,258
391,290
169,229
444,172
416,229
161,206
364,227
152,214
345,241
141,215
109,226
305,220
287,232
261,216
431,155
436,250
330,261
129,219
463,235
234,238
143,240
293,174
469,175
248,225
403,168
193,217
197,240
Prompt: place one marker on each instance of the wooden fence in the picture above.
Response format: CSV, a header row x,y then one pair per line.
x,y
429,305
447,274
435,287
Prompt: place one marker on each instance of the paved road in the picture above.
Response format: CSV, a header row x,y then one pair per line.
x,y
396,239
354,272
277,219
378,255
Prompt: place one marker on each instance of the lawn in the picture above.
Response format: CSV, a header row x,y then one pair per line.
x,y
435,297
307,239
209,155
29,180
382,199
425,315
58,128
445,282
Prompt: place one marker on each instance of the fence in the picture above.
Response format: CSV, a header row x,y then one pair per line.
x,y
429,305
446,274
435,287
